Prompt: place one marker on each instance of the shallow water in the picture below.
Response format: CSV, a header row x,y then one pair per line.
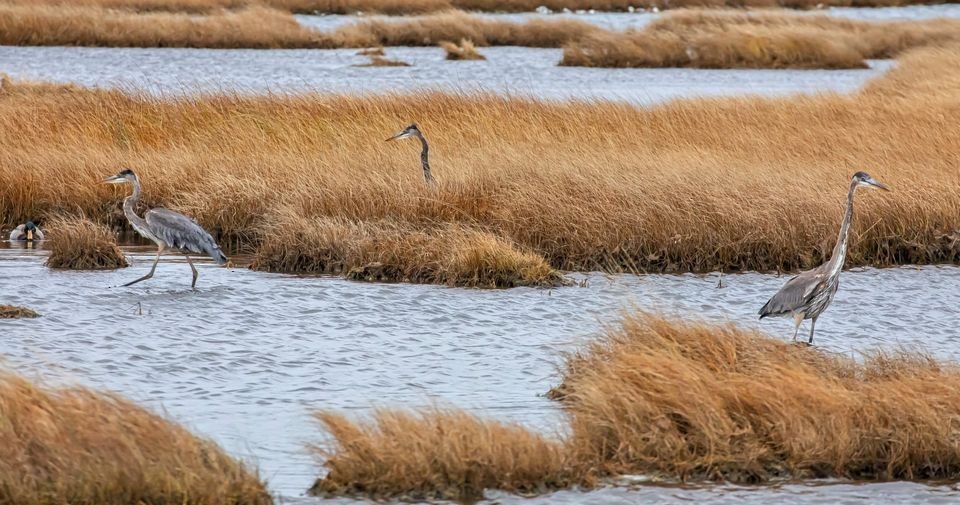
x,y
246,357
509,70
640,18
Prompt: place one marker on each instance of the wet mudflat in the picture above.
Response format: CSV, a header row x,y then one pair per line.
x,y
246,357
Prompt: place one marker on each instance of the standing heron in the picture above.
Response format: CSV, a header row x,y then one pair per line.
x,y
414,131
808,294
167,228
27,232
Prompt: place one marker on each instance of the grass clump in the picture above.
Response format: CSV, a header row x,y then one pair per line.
x,y
464,51
15,312
78,446
81,244
679,401
695,401
437,454
390,251
725,39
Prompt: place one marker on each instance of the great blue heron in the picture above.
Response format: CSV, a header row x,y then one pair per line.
x,y
26,232
808,294
414,131
167,228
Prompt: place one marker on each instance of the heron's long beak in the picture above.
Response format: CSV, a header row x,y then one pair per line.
x,y
29,234
874,183
114,179
402,135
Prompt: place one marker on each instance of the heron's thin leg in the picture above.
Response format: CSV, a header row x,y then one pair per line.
x,y
797,320
152,270
813,324
193,285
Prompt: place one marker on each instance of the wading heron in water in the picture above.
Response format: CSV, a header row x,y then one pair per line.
x,y
414,131
27,232
808,294
168,229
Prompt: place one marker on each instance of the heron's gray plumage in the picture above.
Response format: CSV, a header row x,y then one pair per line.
x,y
168,229
181,232
808,294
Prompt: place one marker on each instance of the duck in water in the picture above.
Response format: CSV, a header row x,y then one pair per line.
x,y
27,232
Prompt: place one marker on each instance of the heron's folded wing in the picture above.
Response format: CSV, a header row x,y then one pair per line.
x,y
796,293
182,232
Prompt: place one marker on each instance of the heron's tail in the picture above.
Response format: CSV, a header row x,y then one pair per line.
x,y
217,254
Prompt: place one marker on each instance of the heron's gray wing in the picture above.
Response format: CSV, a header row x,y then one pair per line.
x,y
179,231
796,293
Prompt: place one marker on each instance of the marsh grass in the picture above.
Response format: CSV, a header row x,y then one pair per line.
x,y
679,401
694,185
380,61
436,454
78,446
464,51
731,39
392,251
16,312
81,244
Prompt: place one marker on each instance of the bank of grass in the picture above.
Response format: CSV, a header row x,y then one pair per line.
x,y
386,250
730,39
693,185
16,312
677,401
412,7
711,39
436,454
81,244
74,445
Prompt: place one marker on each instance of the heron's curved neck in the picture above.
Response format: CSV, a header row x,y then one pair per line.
x,y
425,159
840,250
130,205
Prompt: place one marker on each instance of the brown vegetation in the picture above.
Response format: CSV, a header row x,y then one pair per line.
x,y
82,244
15,312
465,51
683,401
718,39
436,455
78,446
693,185
379,61
390,251
412,7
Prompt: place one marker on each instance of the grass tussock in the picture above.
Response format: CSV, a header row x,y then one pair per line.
x,y
585,186
679,401
699,401
437,454
82,244
725,39
78,446
391,251
380,61
464,51
15,312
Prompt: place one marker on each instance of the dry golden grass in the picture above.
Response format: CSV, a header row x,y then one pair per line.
x,y
412,7
438,454
689,400
455,255
81,244
728,39
681,401
379,61
81,447
254,27
464,51
15,312
695,185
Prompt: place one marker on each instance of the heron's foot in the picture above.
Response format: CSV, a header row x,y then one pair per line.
x,y
802,343
131,283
